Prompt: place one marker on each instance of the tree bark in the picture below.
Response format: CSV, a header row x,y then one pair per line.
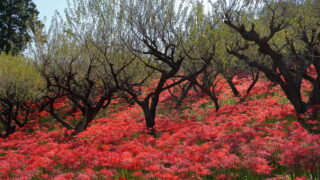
x,y
83,124
253,83
10,130
214,98
233,87
149,116
183,94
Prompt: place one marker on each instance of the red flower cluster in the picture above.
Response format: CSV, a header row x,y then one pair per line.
x,y
259,137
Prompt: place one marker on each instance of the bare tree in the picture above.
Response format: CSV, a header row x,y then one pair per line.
x,y
82,60
289,47
158,35
230,71
179,92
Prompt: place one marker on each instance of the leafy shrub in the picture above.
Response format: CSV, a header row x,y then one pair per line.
x,y
20,86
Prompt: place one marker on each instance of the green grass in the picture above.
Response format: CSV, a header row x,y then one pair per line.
x,y
282,99
42,142
239,174
262,95
128,174
229,101
273,120
245,174
136,135
207,105
164,111
199,118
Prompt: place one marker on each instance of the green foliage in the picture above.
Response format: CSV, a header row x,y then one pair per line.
x,y
207,105
18,20
229,101
288,119
87,44
126,173
19,79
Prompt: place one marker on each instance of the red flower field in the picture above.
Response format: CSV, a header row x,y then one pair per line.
x,y
258,138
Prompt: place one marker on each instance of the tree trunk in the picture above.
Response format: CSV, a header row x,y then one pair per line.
x,y
10,130
251,86
233,87
83,124
7,126
294,96
211,94
8,122
214,98
300,107
254,82
150,116
315,94
183,95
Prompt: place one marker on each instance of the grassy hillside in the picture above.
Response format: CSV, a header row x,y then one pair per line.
x,y
256,139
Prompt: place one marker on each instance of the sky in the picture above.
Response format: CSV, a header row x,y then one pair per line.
x,y
48,7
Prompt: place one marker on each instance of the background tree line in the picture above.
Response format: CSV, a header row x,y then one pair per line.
x,y
104,50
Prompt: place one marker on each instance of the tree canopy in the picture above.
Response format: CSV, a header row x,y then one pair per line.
x,y
21,86
18,20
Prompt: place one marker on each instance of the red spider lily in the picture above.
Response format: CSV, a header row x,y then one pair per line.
x,y
257,135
